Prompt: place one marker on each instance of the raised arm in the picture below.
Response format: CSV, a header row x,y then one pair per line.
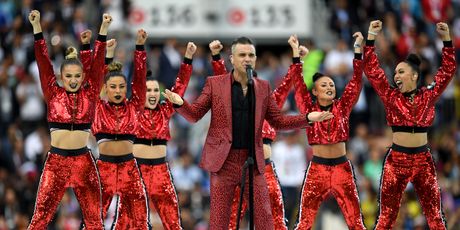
x,y
86,54
45,68
111,46
448,64
372,69
192,112
183,77
284,122
353,89
281,92
218,64
97,71
140,71
185,71
302,96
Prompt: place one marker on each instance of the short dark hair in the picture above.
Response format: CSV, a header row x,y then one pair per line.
x,y
241,40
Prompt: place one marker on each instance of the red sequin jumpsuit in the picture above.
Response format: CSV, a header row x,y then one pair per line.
x,y
74,168
120,174
402,164
330,176
153,129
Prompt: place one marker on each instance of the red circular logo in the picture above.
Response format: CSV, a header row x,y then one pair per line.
x,y
236,16
137,16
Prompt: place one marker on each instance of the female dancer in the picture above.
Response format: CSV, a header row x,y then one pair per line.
x,y
70,112
268,133
150,144
114,128
330,172
409,111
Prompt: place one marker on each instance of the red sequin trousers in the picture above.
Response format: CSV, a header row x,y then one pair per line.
x,y
161,192
61,172
401,167
276,200
120,176
223,185
322,179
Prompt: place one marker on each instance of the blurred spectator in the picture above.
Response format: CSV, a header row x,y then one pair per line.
x,y
186,173
338,64
169,63
288,155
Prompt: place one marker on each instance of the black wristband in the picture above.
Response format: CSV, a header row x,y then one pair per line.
x,y
176,106
85,46
38,36
187,60
108,60
358,56
102,38
309,121
296,60
448,43
140,47
216,57
370,42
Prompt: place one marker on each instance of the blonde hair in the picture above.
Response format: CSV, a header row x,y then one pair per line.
x,y
71,53
71,58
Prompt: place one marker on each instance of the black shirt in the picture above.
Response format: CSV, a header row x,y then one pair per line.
x,y
240,118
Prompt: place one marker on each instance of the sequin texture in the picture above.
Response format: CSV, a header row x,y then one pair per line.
x,y
154,123
398,108
121,118
279,94
336,129
216,96
276,200
322,180
397,172
123,179
162,194
223,185
60,173
64,107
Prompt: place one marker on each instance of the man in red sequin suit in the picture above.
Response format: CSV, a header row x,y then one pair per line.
x,y
150,145
410,111
330,172
226,147
114,130
268,133
71,108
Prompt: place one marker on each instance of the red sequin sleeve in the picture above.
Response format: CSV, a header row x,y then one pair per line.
x,y
138,84
218,66
97,71
376,75
351,93
182,80
45,68
194,112
302,96
282,91
283,122
445,73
